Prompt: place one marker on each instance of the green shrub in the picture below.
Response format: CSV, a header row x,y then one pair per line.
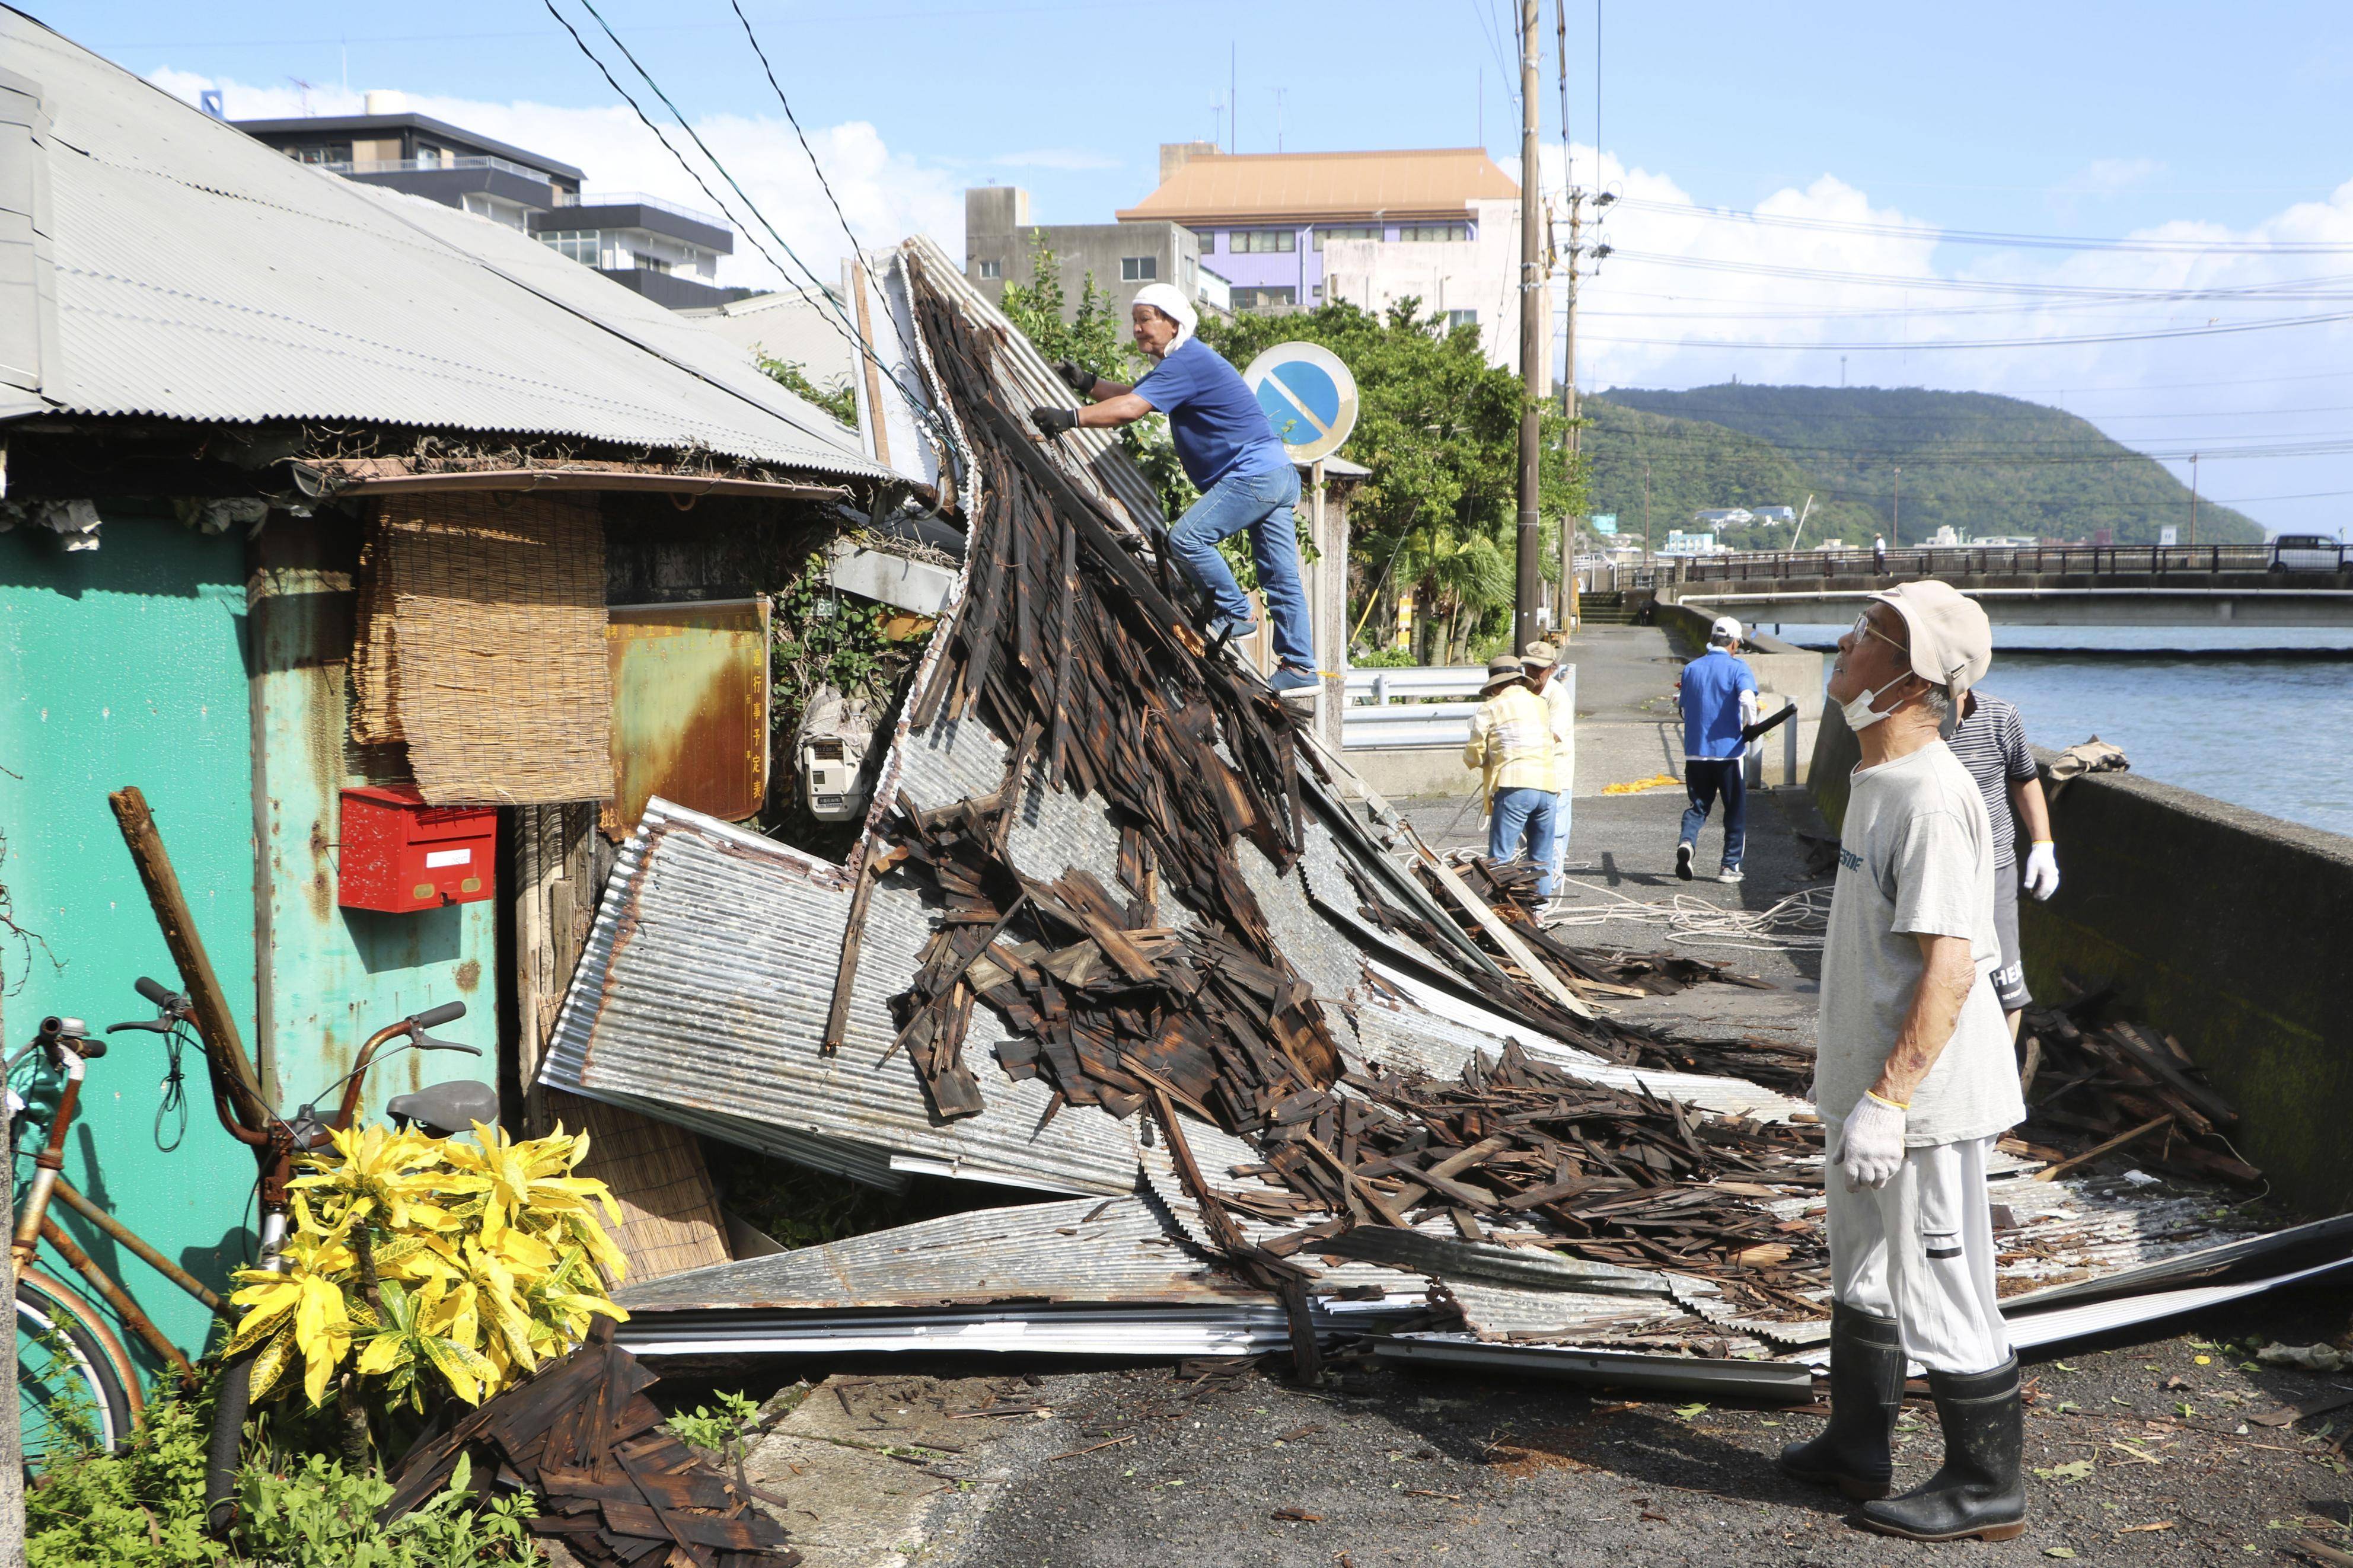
x,y
144,1507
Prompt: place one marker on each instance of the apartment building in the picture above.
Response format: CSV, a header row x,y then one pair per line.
x,y
665,251
1291,230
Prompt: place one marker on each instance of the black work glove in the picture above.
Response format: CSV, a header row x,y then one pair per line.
x,y
1054,421
1080,379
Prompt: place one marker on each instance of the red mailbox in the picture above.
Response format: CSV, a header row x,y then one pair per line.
x,y
400,854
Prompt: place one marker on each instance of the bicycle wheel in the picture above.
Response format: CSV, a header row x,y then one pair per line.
x,y
72,1398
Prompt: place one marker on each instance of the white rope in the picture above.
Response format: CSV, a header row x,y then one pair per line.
x,y
1795,923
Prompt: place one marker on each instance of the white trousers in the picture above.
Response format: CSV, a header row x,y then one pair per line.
x,y
1920,1250
1559,835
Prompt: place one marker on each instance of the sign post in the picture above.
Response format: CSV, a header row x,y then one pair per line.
x,y
1310,398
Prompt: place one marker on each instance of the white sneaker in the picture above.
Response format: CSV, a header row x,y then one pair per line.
x,y
1730,874
1682,861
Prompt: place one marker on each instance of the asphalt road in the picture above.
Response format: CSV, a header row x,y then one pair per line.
x,y
2144,1453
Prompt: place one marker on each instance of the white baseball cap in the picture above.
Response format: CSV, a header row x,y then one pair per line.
x,y
1725,630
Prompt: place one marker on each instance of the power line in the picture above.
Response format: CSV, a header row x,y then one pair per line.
x,y
1931,283
1934,344
824,294
1991,237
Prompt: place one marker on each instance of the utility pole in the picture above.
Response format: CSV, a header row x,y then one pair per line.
x,y
1567,600
1646,511
1896,529
1532,340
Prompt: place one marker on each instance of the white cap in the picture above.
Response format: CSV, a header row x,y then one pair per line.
x,y
1725,630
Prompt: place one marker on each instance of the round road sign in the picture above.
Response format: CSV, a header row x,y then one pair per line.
x,y
1309,397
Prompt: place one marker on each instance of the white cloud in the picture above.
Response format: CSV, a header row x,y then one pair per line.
x,y
885,195
1680,279
1070,158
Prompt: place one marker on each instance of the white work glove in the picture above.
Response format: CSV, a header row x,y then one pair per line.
x,y
2043,870
1871,1143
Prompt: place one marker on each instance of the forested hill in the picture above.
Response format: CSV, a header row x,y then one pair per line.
x,y
1983,464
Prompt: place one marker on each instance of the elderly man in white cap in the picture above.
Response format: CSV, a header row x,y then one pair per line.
x,y
1914,1081
1515,750
1232,456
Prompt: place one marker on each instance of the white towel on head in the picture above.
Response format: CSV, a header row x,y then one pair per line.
x,y
1169,301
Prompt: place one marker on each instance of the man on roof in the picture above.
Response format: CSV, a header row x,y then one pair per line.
x,y
1914,1080
1232,456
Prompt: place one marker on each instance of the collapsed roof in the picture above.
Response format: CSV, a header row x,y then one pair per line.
x,y
1113,933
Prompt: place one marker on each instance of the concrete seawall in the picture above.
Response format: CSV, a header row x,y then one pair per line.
x,y
2228,929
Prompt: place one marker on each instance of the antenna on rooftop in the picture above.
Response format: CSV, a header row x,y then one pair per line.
x,y
308,88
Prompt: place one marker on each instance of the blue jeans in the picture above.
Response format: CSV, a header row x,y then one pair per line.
x,y
1701,781
1529,810
1262,503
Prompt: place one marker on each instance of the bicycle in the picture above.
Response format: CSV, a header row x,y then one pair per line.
x,y
77,1390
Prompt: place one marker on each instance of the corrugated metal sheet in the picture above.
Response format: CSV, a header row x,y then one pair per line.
x,y
706,986
1620,1369
1401,1036
1087,1249
201,274
1158,1331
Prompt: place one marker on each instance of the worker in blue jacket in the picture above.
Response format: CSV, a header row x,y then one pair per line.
x,y
1232,456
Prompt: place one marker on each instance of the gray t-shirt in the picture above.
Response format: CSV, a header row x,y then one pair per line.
x,y
1916,858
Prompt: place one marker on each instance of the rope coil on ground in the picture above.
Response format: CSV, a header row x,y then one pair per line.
x,y
1795,923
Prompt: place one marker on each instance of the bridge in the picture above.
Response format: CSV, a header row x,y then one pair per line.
x,y
2057,585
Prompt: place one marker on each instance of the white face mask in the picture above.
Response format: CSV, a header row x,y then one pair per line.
x,y
1858,710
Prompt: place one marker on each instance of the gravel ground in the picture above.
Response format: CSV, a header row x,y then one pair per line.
x,y
1400,1469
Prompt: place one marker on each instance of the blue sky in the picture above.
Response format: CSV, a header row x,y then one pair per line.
x,y
2066,120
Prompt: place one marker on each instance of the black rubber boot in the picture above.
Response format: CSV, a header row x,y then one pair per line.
x,y
1855,1452
1978,1493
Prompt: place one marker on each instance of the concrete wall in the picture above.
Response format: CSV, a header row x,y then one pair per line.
x,y
2224,927
998,230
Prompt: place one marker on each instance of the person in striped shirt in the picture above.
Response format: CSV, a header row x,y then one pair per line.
x,y
1991,745
1513,747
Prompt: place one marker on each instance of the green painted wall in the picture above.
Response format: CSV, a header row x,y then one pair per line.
x,y
333,976
126,665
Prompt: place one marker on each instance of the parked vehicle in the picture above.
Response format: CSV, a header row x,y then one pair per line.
x,y
2307,553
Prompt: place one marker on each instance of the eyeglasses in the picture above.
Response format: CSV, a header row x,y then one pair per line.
x,y
1863,629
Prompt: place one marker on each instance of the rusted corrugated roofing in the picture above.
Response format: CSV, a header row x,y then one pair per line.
x,y
706,985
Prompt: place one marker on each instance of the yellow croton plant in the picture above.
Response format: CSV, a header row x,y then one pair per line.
x,y
486,1255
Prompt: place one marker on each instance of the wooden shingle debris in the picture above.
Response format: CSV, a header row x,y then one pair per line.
x,y
612,1484
2102,1081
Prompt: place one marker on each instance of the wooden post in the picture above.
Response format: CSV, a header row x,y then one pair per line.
x,y
214,1021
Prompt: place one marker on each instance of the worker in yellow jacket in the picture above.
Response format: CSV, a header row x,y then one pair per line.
x,y
1512,746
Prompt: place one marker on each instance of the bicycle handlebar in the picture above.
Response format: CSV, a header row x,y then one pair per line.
x,y
449,1012
155,991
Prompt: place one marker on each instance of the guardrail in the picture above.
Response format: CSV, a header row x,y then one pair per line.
x,y
1950,560
1383,687
1385,724
430,165
648,199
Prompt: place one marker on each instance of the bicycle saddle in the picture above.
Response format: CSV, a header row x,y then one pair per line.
x,y
444,1110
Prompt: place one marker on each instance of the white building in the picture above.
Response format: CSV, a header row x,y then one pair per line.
x,y
1290,231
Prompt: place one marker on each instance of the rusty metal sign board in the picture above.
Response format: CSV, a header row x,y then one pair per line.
x,y
690,707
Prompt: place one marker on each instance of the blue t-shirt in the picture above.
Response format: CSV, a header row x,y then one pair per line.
x,y
1216,424
1711,684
